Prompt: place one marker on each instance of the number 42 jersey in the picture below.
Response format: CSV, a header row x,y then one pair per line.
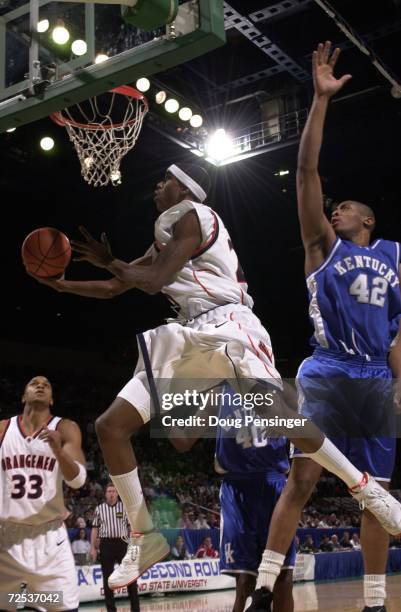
x,y
355,300
31,480
213,276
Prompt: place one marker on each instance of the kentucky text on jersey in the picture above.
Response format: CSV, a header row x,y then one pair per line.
x,y
364,261
40,462
355,298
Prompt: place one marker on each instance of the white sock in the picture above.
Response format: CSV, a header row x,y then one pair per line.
x,y
374,590
130,490
269,569
329,457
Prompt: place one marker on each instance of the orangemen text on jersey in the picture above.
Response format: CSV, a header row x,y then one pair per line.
x,y
31,481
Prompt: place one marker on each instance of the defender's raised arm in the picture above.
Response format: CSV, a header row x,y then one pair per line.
x,y
317,233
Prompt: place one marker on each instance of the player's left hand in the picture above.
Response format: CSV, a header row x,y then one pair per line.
x,y
97,253
53,438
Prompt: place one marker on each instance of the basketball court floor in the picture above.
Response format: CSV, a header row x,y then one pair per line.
x,y
336,596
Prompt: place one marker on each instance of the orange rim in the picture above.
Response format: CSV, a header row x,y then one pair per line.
x,y
124,90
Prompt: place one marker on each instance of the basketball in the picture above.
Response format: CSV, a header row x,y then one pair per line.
x,y
46,252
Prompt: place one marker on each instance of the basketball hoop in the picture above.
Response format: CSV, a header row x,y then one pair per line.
x,y
103,129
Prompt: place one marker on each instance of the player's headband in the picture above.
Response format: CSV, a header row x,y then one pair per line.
x,y
188,181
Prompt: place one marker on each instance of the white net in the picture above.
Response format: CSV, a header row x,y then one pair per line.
x,y
103,130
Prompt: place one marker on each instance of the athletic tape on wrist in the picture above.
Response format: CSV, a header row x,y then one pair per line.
x,y
79,479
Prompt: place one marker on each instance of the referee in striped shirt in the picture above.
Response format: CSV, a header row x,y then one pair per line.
x,y
110,524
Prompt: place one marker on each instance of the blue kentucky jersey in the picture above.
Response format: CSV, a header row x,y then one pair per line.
x,y
355,300
247,450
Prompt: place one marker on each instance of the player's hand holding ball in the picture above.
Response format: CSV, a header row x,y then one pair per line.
x,y
97,253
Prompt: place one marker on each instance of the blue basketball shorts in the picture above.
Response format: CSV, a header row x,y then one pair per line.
x,y
247,506
350,400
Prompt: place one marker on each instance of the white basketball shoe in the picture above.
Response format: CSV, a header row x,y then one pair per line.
x,y
378,501
144,550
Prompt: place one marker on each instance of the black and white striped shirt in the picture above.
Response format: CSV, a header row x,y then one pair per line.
x,y
111,521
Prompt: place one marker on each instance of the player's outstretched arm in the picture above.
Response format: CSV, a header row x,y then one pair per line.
x,y
317,233
102,290
146,275
66,444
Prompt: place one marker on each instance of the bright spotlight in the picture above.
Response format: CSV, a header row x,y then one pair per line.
x,y
160,97
60,35
196,121
43,25
220,145
47,143
79,47
282,173
172,105
143,85
101,57
11,130
185,114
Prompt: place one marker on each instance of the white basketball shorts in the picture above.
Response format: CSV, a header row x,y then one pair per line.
x,y
228,342
43,561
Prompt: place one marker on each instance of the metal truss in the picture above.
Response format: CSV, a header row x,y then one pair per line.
x,y
233,19
279,9
379,32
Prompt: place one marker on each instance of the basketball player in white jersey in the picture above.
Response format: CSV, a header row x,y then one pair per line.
x,y
37,452
215,337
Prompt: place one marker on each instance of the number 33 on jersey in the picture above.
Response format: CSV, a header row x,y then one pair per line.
x,y
30,476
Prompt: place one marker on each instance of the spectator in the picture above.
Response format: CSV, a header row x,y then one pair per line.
x,y
333,520
213,520
297,544
81,548
308,546
356,544
206,549
201,523
80,522
186,520
335,542
345,541
326,545
179,551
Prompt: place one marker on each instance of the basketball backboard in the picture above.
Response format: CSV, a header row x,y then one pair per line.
x,y
39,76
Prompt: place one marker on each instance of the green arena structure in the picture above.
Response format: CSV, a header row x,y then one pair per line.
x,y
39,76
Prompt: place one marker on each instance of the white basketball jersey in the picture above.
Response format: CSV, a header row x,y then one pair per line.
x,y
31,481
213,276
